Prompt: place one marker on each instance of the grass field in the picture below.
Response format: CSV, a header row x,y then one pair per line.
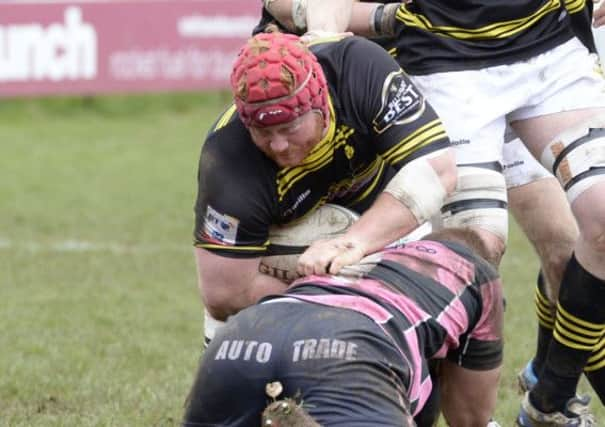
x,y
100,322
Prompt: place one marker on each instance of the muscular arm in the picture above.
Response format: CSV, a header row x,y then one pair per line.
x,y
387,220
335,18
599,14
228,285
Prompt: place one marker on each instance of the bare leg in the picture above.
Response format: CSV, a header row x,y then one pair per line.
x,y
578,326
468,397
553,239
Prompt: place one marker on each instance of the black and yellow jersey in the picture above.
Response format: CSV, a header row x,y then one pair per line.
x,y
379,122
451,35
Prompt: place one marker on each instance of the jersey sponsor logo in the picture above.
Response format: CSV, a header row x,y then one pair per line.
x,y
513,164
323,348
248,351
299,200
220,228
460,142
401,102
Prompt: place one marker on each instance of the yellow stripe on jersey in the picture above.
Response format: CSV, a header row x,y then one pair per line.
x,y
283,187
497,30
224,119
377,168
321,155
316,160
423,136
575,6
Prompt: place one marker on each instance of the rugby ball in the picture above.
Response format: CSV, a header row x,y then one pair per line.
x,y
288,241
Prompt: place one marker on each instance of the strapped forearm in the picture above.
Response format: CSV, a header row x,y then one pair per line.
x,y
373,19
300,16
419,187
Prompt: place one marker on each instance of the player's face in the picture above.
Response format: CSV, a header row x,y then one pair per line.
x,y
289,143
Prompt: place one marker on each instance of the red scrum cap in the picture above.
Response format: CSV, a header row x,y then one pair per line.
x,y
276,79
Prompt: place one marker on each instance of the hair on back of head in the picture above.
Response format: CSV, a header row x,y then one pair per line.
x,y
465,236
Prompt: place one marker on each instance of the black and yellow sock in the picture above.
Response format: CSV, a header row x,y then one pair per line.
x,y
595,369
579,324
545,311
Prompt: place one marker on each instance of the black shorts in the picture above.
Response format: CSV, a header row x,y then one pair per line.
x,y
337,362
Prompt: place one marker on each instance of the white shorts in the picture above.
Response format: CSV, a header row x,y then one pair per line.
x,y
520,167
475,105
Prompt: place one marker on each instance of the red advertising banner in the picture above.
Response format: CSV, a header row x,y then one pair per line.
x,y
96,46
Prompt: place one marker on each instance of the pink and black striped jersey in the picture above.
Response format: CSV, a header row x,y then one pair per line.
x,y
432,299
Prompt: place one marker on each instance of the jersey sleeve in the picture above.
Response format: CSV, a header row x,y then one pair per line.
x,y
233,205
402,124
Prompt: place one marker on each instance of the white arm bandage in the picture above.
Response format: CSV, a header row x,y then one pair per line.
x,y
418,187
298,14
383,19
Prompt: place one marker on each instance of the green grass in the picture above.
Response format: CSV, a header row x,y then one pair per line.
x,y
100,322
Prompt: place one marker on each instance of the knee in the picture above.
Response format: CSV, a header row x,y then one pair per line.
x,y
553,262
594,235
577,158
590,212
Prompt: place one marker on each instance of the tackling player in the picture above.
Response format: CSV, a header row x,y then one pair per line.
x,y
337,122
354,348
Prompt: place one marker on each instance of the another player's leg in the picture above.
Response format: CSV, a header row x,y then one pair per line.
x,y
533,195
577,157
469,396
595,369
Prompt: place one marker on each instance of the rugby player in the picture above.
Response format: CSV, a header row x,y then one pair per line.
x,y
354,348
337,122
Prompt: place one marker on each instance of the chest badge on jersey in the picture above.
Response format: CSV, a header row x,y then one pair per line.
x,y
402,102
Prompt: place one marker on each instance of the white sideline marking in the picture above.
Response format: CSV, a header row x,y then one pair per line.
x,y
73,245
